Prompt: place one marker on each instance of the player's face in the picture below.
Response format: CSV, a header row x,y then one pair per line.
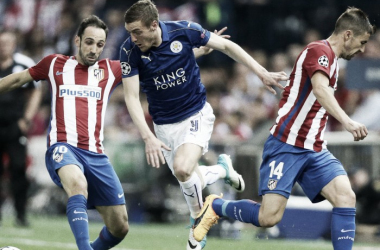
x,y
7,45
91,45
144,37
354,45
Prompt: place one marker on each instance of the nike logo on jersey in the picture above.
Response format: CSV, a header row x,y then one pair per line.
x,y
346,231
120,195
58,73
146,57
78,212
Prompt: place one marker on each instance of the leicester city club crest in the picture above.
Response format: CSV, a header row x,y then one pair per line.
x,y
176,46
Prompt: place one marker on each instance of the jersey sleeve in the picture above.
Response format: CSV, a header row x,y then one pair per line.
x,y
116,69
197,35
129,59
41,70
318,58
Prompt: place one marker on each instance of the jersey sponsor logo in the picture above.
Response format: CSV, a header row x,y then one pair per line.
x,y
176,46
80,91
99,74
125,68
170,80
323,61
272,184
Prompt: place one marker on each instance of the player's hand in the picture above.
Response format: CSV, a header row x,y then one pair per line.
x,y
207,50
358,130
153,151
272,79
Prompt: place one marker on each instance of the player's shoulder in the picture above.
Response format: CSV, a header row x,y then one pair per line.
x,y
182,25
321,46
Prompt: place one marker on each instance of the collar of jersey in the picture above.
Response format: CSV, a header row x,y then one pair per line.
x,y
165,35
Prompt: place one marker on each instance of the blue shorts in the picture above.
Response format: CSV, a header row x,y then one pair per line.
x,y
284,164
104,187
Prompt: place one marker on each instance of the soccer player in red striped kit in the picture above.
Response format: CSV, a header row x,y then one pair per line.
x,y
295,150
80,89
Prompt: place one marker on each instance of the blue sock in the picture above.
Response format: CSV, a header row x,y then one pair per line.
x,y
343,228
105,240
242,210
76,212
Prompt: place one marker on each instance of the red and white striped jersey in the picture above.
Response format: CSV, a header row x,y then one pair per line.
x,y
79,98
301,118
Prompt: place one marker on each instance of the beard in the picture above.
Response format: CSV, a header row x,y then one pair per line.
x,y
83,57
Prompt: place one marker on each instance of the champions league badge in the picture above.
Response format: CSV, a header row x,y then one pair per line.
x,y
272,184
125,68
323,61
176,46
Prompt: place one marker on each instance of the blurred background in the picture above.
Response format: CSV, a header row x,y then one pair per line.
x,y
273,32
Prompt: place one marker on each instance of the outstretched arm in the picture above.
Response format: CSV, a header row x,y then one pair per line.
x,y
231,49
203,50
15,80
325,96
153,146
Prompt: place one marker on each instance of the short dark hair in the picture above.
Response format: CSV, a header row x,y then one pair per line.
x,y
93,21
356,20
143,10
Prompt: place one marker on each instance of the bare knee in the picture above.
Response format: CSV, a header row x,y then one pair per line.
x,y
271,220
119,230
182,170
346,198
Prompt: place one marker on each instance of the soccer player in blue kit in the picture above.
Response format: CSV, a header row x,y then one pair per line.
x,y
158,58
295,151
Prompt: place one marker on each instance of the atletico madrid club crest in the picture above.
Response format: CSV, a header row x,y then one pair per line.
x,y
272,184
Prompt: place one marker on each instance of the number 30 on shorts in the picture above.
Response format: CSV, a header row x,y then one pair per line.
x,y
276,170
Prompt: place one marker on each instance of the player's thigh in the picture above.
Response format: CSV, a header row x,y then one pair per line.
x,y
187,156
114,217
339,192
73,180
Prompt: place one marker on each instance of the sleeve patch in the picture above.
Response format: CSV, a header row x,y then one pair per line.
x,y
125,68
323,61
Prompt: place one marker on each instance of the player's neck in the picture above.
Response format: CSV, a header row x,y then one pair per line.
x,y
335,45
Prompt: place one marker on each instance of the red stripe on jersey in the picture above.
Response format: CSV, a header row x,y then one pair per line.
x,y
59,107
102,84
81,104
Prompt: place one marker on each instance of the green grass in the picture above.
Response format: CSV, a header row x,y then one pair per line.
x,y
53,233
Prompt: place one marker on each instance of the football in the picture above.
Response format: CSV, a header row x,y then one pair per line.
x,y
9,248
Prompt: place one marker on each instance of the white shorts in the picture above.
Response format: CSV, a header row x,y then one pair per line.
x,y
196,129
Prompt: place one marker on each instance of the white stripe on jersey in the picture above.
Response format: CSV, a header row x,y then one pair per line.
x,y
107,92
69,107
92,103
53,122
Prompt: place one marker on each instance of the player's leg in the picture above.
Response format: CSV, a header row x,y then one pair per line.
x,y
66,171
115,229
341,196
19,182
75,185
107,196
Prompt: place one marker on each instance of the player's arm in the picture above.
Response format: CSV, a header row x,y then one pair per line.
x,y
325,96
31,109
231,49
203,50
15,80
153,146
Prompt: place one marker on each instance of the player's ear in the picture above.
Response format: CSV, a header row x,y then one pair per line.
x,y
348,35
77,41
154,25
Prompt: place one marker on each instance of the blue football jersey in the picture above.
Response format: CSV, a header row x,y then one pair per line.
x,y
169,74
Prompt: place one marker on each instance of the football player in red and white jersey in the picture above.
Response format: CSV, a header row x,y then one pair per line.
x,y
295,150
80,89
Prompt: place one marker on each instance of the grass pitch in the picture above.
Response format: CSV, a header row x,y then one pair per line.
x,y
53,233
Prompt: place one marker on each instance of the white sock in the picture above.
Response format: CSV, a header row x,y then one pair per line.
x,y
192,190
211,174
